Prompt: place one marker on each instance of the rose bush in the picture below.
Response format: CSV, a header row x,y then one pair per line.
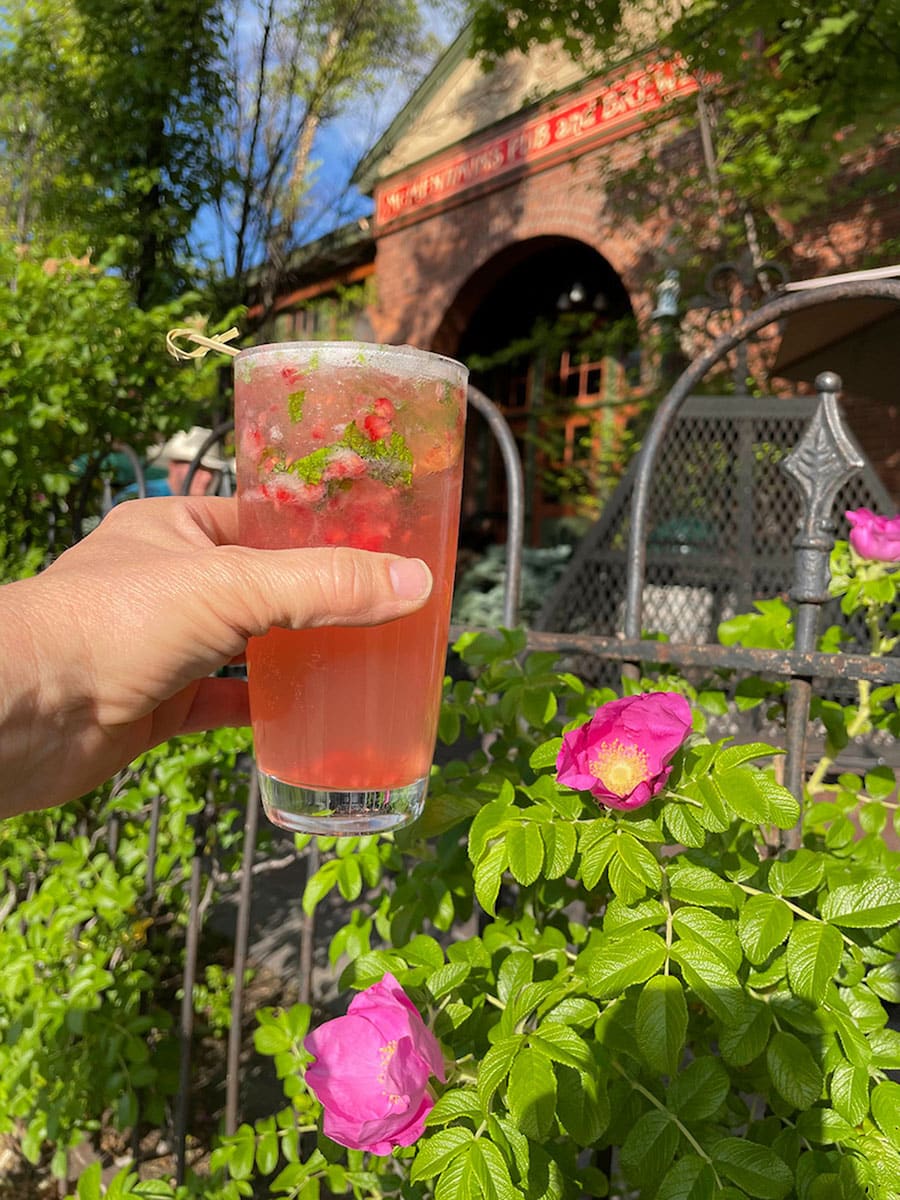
x,y
874,537
664,1002
622,756
371,1070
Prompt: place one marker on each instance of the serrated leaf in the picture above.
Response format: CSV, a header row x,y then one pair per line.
x,y
698,885
639,860
850,1092
661,1023
492,1171
710,979
526,852
884,981
736,756
489,875
490,822
495,1066
562,1045
649,1147
560,842
690,1178
793,1070
764,923
596,846
546,754
455,1105
619,963
799,872
698,1092
757,798
886,1110
446,978
711,931
873,904
757,1169
436,1152
531,1094
814,953
683,825
582,1105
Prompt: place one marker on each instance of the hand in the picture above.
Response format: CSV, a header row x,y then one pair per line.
x,y
109,651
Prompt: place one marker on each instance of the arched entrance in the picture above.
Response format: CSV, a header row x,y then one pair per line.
x,y
547,329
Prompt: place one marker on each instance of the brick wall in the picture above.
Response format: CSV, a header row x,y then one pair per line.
x,y
430,274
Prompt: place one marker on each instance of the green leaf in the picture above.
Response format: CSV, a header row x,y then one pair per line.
x,y
619,963
436,1152
683,825
446,978
850,1092
650,1146
880,782
823,1125
814,953
455,1104
736,756
661,1023
531,1094
744,1038
526,852
799,872
639,860
756,797
699,885
885,981
690,1178
709,930
563,1045
886,1110
89,1183
546,754
489,874
873,904
793,1070
764,923
711,980
491,1171
698,1092
596,846
756,1169
560,842
582,1105
495,1066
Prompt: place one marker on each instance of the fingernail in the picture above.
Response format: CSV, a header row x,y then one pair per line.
x,y
410,578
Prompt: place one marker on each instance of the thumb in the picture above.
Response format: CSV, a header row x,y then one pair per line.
x,y
299,589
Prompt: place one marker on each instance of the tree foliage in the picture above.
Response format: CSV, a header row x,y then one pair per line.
x,y
797,87
106,113
81,368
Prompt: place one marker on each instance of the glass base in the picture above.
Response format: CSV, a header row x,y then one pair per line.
x,y
331,813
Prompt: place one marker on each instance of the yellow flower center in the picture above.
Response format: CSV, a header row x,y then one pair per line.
x,y
620,767
386,1053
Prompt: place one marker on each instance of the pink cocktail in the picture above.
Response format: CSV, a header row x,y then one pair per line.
x,y
349,444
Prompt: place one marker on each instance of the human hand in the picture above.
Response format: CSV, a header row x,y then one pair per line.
x,y
110,650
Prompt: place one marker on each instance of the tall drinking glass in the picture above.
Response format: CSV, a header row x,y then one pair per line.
x,y
349,444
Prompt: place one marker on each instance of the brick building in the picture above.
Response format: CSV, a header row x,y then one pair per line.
x,y
496,210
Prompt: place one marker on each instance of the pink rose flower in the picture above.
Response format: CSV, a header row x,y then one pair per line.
x,y
372,1069
622,755
874,537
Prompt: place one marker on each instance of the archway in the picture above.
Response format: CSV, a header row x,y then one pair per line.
x,y
547,329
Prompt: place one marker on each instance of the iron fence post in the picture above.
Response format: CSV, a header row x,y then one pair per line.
x,y
820,464
241,943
